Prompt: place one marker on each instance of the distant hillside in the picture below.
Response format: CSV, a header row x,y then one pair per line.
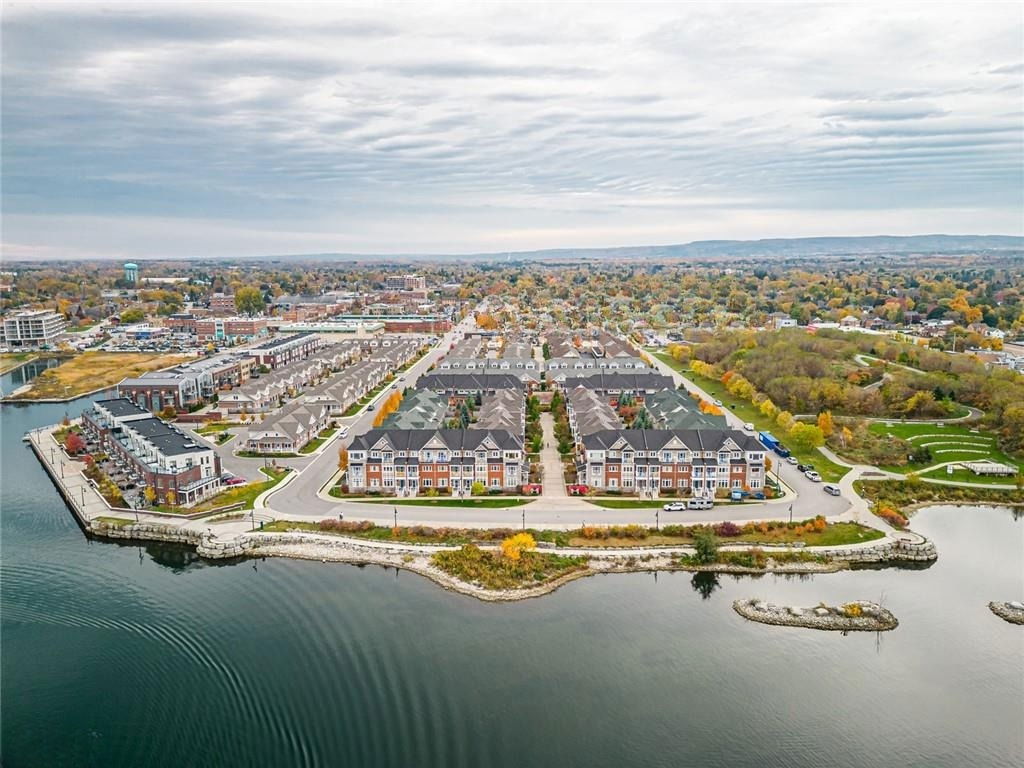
x,y
803,247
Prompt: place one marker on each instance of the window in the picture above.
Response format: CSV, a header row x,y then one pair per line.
x,y
666,482
426,482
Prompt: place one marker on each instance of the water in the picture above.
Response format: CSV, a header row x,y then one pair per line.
x,y
123,655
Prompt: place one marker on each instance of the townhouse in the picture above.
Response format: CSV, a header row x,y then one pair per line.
x,y
279,352
188,385
153,452
408,462
526,370
589,412
612,385
675,409
504,409
561,368
461,386
420,409
697,461
290,429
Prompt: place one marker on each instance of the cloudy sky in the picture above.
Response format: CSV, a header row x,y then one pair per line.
x,y
222,130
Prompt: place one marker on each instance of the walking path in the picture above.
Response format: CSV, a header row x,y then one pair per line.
x,y
551,461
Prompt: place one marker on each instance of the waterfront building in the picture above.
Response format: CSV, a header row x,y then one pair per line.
x,y
32,328
153,452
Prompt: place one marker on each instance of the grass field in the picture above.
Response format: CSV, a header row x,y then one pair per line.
x,y
948,443
835,534
357,406
12,360
240,493
95,370
629,503
830,472
317,441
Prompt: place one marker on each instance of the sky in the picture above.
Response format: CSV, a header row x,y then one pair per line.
x,y
208,130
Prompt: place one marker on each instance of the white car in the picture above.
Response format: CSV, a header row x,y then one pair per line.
x,y
791,460
675,506
749,427
813,476
718,403
700,504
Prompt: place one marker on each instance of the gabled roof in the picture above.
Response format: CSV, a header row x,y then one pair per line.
x,y
657,439
453,439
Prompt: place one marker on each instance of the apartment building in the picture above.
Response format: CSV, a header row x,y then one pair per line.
x,y
700,462
188,385
32,328
407,462
222,304
279,352
153,452
405,283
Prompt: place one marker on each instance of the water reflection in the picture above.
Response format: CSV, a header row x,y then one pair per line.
x,y
704,583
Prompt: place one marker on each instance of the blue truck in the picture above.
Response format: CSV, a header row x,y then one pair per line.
x,y
769,441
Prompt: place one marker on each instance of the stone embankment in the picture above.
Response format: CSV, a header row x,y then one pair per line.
x,y
1012,611
858,616
906,546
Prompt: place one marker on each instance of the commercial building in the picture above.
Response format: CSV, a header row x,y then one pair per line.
x,y
222,304
32,328
701,462
153,452
230,329
407,462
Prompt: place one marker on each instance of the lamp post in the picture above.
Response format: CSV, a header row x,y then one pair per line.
x,y
791,513
657,519
524,519
396,517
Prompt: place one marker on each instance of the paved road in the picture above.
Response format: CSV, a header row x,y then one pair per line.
x,y
551,461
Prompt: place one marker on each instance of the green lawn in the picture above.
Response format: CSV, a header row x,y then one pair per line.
x,y
629,503
214,427
239,493
830,472
316,442
357,406
948,443
966,476
483,503
257,455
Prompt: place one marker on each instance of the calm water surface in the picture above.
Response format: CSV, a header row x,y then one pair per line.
x,y
117,655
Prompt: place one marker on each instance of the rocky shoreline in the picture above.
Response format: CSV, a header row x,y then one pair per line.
x,y
857,616
1011,611
335,548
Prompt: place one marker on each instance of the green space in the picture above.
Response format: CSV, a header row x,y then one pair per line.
x,y
117,522
358,405
966,476
899,494
628,503
317,441
11,360
223,437
492,570
245,494
950,442
830,472
213,427
483,503
258,455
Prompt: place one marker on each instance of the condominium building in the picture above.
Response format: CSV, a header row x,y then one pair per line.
x,y
670,460
406,462
32,328
187,385
153,452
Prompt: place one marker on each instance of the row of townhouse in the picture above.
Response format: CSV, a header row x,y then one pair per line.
x,y
675,409
589,412
289,429
284,350
462,386
527,370
153,452
187,385
340,391
701,461
408,461
269,391
611,385
419,409
595,344
561,368
505,409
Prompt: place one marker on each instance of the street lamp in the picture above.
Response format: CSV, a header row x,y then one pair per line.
x,y
396,517
657,519
524,519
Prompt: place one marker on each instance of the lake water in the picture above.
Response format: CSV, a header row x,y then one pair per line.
x,y
123,655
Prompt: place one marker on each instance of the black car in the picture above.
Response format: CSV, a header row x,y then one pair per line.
x,y
804,467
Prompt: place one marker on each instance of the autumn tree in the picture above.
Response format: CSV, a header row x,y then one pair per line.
x,y
805,436
149,494
73,443
825,423
249,300
343,459
514,546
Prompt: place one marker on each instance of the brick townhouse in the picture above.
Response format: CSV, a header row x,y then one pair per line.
x,y
408,462
668,460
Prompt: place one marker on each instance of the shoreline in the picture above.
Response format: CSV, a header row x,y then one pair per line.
x,y
868,616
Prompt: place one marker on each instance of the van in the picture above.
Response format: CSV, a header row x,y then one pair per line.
x,y
831,490
700,504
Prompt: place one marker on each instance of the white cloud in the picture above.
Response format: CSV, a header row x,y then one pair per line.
x,y
213,128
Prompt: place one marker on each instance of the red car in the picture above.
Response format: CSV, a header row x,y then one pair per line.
x,y
577,490
235,481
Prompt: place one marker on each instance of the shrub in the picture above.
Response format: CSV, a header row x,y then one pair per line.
x,y
727,529
706,546
852,610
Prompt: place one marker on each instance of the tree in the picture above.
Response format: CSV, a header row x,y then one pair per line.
x,y
706,546
514,546
477,489
343,459
784,419
805,436
249,300
74,443
825,423
133,315
168,413
149,494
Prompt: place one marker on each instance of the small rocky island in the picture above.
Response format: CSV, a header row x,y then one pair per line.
x,y
859,615
1012,611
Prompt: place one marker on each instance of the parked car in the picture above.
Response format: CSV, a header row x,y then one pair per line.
x,y
344,431
749,427
371,407
791,460
831,490
235,481
813,476
674,506
805,467
577,490
718,403
700,504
